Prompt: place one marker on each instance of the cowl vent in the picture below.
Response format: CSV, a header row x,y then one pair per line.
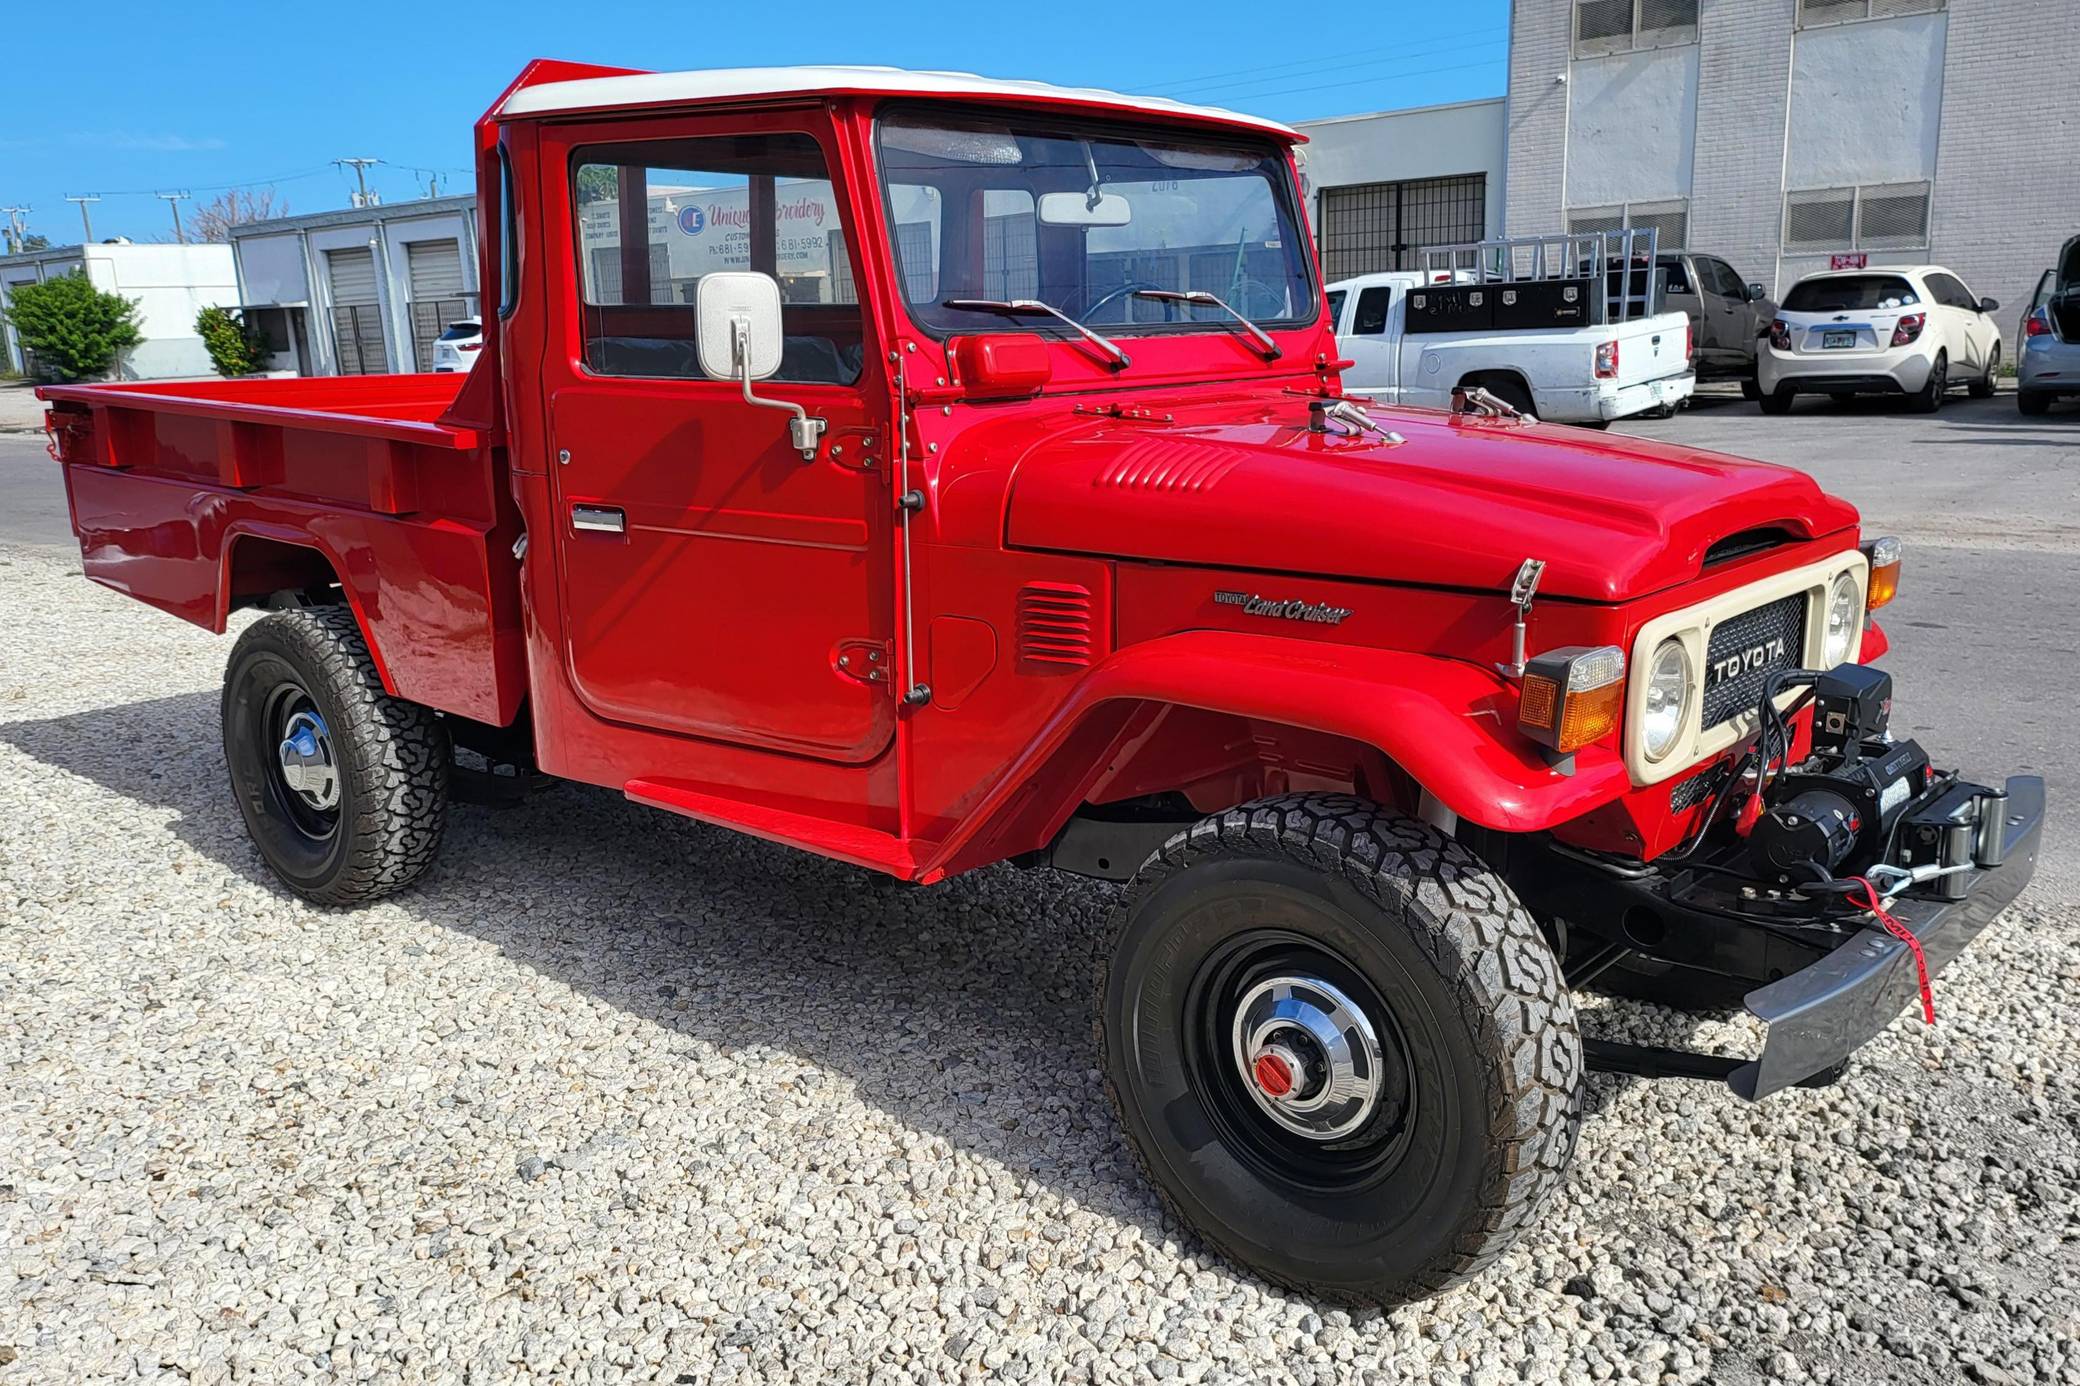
x,y
1054,627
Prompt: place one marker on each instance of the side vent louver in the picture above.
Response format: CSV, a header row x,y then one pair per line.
x,y
1054,627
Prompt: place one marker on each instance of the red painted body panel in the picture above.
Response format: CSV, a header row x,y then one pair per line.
x,y
737,655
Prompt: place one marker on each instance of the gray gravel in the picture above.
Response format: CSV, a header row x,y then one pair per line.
x,y
615,1096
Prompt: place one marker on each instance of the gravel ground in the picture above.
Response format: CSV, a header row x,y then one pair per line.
x,y
615,1096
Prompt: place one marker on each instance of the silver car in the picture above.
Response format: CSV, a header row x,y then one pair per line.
x,y
2050,361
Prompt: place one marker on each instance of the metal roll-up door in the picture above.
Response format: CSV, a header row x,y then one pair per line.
x,y
435,271
357,317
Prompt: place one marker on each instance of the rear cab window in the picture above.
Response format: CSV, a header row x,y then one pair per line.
x,y
760,202
1373,304
1336,298
1851,293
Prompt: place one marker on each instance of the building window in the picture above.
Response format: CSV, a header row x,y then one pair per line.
x,y
1820,12
1670,220
1620,26
1876,216
1386,226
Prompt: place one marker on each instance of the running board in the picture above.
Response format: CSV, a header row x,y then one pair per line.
x,y
847,842
1649,1061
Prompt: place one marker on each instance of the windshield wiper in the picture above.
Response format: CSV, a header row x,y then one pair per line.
x,y
1265,346
1028,306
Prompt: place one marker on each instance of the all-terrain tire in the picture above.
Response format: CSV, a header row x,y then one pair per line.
x,y
1467,984
390,759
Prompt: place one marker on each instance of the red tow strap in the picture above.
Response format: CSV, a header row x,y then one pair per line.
x,y
1875,903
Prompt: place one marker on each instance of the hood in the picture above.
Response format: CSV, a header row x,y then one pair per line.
x,y
1461,503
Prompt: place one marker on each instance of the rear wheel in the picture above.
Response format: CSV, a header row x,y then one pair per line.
x,y
1777,401
1339,1046
2033,401
343,787
1984,386
1510,389
1751,388
1931,397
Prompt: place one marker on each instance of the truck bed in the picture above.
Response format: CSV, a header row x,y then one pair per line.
x,y
202,496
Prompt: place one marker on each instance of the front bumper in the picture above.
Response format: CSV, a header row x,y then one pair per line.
x,y
1820,1015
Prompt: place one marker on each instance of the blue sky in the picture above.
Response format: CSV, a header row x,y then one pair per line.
x,y
156,96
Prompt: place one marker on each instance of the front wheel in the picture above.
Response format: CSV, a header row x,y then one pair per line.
x,y
343,787
1339,1046
1984,386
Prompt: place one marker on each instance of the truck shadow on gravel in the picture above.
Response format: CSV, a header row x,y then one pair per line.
x,y
963,1009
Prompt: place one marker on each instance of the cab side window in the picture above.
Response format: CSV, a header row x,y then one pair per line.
x,y
1950,293
652,218
1372,310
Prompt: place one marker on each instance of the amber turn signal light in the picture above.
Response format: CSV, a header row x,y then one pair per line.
x,y
1572,696
1884,584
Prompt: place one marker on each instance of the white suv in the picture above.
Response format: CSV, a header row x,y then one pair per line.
x,y
1914,330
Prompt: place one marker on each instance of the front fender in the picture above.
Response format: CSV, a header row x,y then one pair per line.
x,y
1451,725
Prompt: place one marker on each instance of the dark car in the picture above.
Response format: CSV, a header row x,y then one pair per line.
x,y
1727,315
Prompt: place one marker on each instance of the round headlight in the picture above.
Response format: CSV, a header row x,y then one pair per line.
x,y
1667,699
1844,621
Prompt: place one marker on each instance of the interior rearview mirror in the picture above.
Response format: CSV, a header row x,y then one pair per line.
x,y
739,337
1079,209
737,318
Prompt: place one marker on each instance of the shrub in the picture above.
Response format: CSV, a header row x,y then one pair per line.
x,y
74,330
234,348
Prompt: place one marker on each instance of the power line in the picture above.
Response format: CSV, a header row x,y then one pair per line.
x,y
361,168
1316,63
1369,81
1339,66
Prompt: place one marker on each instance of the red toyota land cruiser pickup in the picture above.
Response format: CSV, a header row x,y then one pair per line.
x,y
931,472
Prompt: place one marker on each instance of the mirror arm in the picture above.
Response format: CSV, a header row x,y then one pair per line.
x,y
804,430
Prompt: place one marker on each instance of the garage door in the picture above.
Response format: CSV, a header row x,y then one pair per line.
x,y
435,269
1383,226
357,319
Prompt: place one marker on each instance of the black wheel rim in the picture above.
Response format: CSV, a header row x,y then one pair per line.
x,y
296,751
1356,1143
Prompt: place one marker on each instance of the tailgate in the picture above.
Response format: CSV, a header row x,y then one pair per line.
x,y
1652,348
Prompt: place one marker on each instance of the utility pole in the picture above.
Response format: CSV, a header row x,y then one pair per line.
x,y
86,218
173,203
360,167
15,231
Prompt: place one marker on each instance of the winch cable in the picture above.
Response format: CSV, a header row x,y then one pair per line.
x,y
1875,904
1769,719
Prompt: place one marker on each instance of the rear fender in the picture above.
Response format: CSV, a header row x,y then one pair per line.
x,y
1449,725
256,555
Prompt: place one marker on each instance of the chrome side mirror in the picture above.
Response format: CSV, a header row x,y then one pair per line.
x,y
738,333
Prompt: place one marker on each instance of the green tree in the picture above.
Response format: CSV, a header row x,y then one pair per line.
x,y
234,347
74,330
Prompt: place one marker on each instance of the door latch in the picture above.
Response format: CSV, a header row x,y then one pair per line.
x,y
601,519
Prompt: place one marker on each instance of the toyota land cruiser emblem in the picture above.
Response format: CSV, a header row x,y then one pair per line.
x,y
1284,608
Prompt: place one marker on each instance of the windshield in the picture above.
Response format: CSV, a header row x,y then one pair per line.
x,y
1833,295
1020,207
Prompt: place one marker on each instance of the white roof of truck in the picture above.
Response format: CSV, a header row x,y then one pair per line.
x,y
718,84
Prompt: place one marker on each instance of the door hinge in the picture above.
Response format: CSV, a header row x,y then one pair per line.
x,y
864,661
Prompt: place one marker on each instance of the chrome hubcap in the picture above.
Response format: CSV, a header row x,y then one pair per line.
x,y
306,759
1309,1057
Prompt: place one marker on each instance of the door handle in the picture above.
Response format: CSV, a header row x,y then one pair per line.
x,y
603,519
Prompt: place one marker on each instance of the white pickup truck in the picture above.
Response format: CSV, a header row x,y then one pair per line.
x,y
1590,373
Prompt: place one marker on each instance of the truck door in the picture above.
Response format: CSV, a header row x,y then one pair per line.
x,y
715,584
1375,352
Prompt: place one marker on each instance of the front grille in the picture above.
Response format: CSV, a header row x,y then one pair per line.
x,y
1746,650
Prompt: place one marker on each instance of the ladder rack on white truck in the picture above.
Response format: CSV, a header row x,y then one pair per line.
x,y
1567,327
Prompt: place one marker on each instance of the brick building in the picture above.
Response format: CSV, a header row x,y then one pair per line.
x,y
1779,133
